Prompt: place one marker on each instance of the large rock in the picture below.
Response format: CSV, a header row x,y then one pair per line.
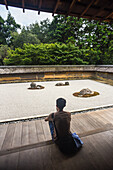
x,y
85,91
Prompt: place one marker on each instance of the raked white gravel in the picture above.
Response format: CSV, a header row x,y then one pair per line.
x,y
16,101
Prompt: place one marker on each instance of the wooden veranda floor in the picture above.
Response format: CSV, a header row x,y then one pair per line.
x,y
28,145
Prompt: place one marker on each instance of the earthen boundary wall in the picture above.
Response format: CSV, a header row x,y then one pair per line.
x,y
54,72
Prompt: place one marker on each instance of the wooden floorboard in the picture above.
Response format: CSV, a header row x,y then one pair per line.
x,y
40,132
95,154
46,130
77,124
47,155
108,115
32,132
98,115
30,160
100,151
3,130
17,135
86,122
7,143
106,127
25,134
28,145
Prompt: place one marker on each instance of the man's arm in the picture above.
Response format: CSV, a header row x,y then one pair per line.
x,y
46,119
49,118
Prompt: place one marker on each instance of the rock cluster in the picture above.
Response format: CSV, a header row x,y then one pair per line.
x,y
34,86
85,91
62,84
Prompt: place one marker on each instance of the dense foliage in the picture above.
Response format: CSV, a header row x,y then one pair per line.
x,y
48,54
66,40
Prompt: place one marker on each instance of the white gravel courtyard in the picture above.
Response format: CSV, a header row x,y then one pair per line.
x,y
16,101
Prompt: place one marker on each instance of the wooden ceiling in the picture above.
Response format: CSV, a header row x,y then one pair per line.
x,y
91,9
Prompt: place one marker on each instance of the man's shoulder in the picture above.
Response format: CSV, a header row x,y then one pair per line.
x,y
62,113
66,112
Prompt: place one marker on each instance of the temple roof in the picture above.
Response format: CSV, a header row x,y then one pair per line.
x,y
91,9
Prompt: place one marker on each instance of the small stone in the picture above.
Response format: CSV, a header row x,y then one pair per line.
x,y
66,83
59,84
33,85
40,87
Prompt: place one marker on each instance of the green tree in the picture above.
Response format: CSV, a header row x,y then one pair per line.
x,y
3,53
44,30
41,54
65,29
2,35
34,29
24,37
66,40
108,55
9,26
40,30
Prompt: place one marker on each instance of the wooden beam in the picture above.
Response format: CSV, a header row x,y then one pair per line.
x,y
96,2
71,6
26,147
105,128
23,5
90,18
40,4
101,9
56,6
110,14
86,9
5,1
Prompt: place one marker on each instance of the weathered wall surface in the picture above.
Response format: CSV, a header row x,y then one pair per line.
x,y
44,68
20,73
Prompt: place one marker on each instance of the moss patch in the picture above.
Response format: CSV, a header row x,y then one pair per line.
x,y
77,94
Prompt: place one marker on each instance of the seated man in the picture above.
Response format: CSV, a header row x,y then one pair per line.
x,y
59,123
